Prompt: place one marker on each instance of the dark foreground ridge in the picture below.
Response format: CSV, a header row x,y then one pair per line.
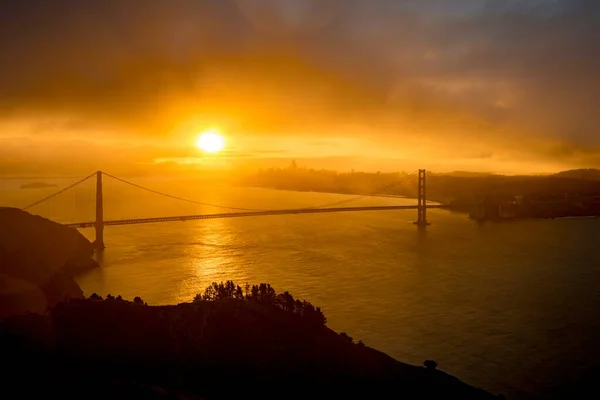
x,y
38,258
217,348
228,343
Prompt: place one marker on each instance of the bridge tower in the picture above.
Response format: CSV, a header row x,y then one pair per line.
x,y
99,223
422,200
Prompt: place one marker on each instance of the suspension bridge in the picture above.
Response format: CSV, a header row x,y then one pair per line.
x,y
100,222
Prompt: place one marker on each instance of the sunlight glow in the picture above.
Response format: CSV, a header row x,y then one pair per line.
x,y
211,142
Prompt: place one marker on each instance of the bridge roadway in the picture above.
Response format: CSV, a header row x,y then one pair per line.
x,y
249,214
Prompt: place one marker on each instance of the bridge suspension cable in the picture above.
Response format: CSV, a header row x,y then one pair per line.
x,y
181,198
24,178
360,196
321,206
376,191
441,188
434,178
59,192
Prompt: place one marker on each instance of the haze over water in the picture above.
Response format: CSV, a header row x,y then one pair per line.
x,y
511,307
218,89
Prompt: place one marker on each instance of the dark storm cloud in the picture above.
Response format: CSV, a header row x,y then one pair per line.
x,y
552,59
79,54
526,67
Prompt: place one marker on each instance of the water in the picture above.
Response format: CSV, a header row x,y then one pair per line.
x,y
511,307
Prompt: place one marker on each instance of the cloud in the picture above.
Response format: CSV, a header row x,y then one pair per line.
x,y
471,74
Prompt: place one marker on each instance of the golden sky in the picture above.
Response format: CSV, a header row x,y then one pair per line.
x,y
488,85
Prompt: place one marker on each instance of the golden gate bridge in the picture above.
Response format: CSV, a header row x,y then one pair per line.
x,y
100,222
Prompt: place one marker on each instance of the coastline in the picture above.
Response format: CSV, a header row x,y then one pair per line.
x,y
198,348
342,193
438,201
222,336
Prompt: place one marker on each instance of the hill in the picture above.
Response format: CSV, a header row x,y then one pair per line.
x,y
467,174
37,260
224,345
443,187
450,188
220,349
590,174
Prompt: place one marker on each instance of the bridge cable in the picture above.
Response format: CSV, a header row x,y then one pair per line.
x,y
59,192
439,179
181,198
374,192
26,178
435,178
358,197
399,181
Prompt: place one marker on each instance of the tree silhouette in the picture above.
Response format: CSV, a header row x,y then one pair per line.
x,y
254,292
265,294
346,338
285,301
95,296
221,291
430,364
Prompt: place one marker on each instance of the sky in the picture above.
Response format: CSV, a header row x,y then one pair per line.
x,y
508,86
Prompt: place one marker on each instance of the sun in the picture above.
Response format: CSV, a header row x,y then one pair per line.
x,y
210,142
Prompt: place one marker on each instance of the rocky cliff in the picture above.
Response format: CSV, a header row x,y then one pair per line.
x,y
37,260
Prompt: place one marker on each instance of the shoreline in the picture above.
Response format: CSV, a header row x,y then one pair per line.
x,y
196,348
458,209
200,346
396,196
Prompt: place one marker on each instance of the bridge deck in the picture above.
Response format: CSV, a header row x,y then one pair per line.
x,y
248,214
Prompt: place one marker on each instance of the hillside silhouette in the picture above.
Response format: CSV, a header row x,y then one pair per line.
x,y
591,174
37,260
217,347
443,187
227,343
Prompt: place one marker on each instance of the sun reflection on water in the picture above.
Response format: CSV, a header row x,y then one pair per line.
x,y
212,256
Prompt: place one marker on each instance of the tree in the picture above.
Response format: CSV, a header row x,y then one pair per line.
x,y
346,338
254,293
138,300
285,301
318,318
430,364
221,291
266,295
95,296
